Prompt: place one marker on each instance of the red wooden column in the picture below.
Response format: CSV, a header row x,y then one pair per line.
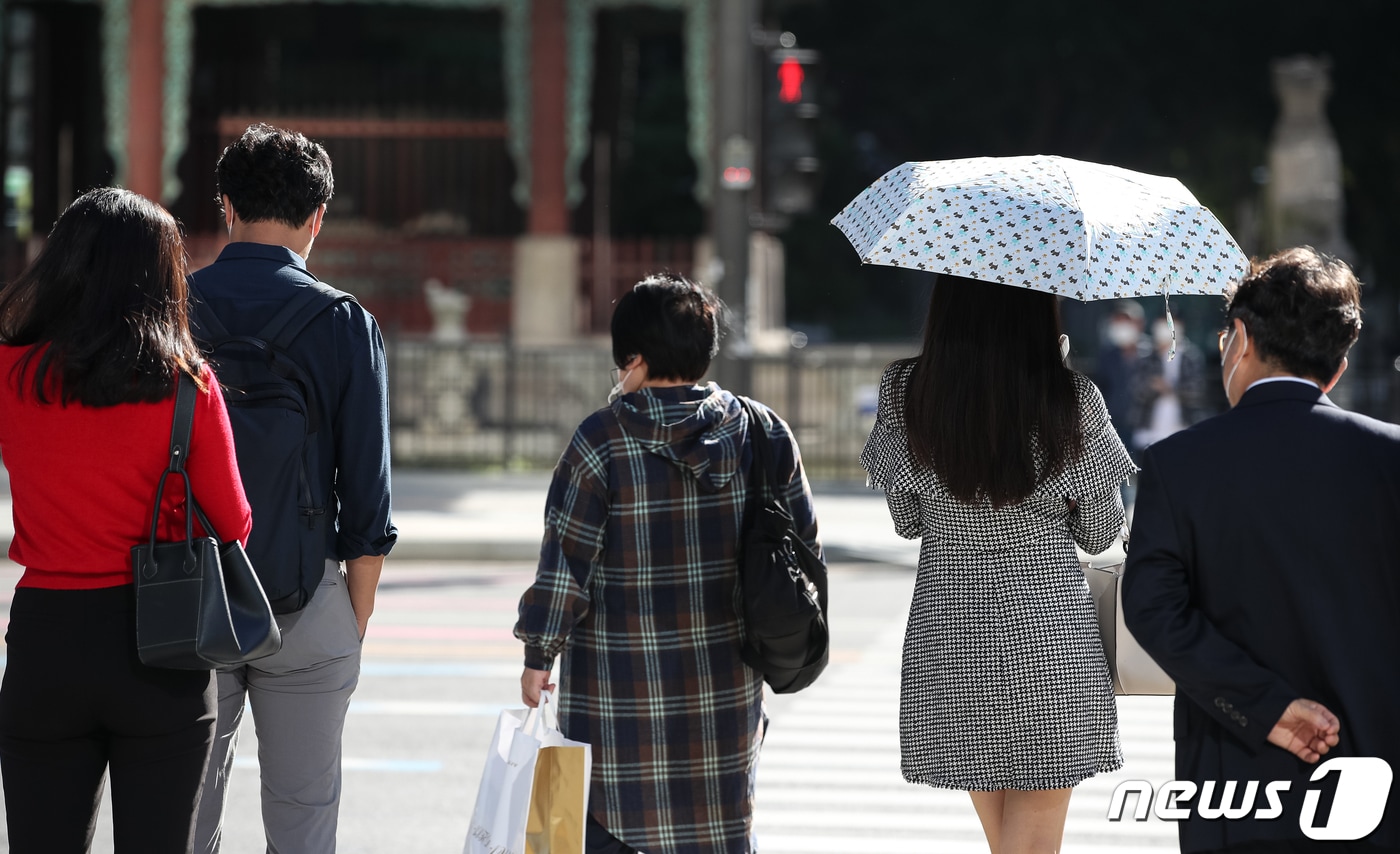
x,y
545,271
549,210
146,80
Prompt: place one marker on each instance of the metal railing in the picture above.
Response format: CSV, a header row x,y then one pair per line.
x,y
489,405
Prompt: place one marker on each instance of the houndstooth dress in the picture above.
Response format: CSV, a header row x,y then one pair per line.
x,y
1004,683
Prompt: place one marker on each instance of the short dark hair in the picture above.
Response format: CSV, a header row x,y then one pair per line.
x,y
274,174
104,305
1129,308
1301,308
671,322
991,407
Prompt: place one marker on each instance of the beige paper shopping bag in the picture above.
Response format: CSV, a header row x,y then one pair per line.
x,y
559,800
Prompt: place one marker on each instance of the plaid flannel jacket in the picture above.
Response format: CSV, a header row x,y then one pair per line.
x,y
637,588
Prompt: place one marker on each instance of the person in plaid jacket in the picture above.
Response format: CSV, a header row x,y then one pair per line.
x,y
638,582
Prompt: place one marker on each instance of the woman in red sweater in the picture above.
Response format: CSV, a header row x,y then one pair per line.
x,y
92,338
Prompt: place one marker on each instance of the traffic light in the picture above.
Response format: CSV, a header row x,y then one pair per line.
x,y
790,131
736,164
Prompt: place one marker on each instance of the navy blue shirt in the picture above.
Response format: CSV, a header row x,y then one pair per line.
x,y
343,353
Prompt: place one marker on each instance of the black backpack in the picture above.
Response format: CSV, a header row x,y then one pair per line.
x,y
273,409
783,591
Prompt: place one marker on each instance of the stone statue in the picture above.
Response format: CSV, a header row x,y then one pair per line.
x,y
449,308
1304,199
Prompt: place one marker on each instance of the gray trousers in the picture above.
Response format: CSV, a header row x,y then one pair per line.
x,y
299,698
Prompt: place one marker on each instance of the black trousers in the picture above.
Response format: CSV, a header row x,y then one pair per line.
x,y
77,701
597,840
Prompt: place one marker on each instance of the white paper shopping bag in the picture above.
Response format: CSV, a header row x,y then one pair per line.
x,y
534,788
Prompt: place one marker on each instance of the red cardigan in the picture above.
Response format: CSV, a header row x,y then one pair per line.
x,y
83,480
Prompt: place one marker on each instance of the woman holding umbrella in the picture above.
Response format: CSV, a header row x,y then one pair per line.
x,y
1001,459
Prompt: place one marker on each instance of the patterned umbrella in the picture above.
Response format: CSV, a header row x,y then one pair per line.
x,y
1053,224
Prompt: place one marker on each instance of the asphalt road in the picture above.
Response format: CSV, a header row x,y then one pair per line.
x,y
440,664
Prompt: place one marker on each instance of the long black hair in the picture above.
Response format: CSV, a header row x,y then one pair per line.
x,y
104,305
991,406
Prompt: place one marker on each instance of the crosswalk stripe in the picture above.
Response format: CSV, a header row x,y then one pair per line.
x,y
415,668
425,707
915,799
351,763
830,739
833,759
802,778
826,844
964,821
790,721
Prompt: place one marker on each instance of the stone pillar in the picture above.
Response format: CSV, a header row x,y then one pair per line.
x,y
544,287
765,299
1304,199
544,292
146,75
767,303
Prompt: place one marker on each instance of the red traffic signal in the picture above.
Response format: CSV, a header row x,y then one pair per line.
x,y
790,77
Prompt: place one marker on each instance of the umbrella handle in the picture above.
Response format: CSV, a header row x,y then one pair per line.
x,y
1171,325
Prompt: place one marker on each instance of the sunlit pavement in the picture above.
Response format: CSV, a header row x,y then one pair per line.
x,y
440,663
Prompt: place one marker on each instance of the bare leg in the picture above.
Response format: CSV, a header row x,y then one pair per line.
x,y
990,806
1033,822
1018,822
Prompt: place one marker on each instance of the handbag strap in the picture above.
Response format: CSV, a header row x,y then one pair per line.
x,y
181,428
182,425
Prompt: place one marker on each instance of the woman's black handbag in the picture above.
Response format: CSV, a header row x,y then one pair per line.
x,y
783,591
198,602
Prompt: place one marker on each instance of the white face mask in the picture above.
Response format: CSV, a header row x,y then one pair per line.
x,y
618,390
1230,376
1123,333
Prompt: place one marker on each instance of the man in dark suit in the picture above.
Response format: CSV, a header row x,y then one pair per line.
x,y
1264,577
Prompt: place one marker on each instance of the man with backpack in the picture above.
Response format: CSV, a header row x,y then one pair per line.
x,y
306,383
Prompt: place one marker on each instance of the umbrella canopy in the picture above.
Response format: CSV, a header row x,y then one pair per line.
x,y
1068,227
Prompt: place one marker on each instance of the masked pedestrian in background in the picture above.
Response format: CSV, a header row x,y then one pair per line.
x,y
1117,359
1169,386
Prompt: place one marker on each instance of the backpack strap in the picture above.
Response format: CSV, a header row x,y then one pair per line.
x,y
305,306
300,310
276,336
209,327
